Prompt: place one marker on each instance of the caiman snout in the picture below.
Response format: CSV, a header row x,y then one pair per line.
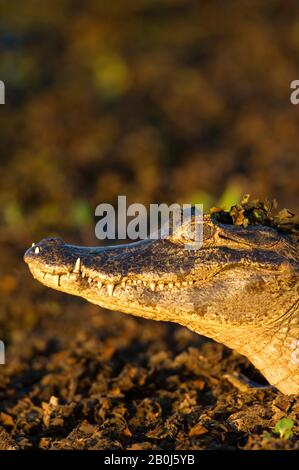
x,y
45,244
47,255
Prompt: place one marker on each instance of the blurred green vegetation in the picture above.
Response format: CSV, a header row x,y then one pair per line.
x,y
230,196
283,427
176,100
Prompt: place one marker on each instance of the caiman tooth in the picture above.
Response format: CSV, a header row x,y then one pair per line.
x,y
123,284
170,285
100,285
190,283
110,289
139,281
89,280
152,286
56,280
160,286
33,244
184,283
77,266
134,282
68,275
83,275
178,284
144,283
37,250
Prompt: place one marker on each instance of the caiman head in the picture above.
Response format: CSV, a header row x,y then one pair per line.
x,y
240,288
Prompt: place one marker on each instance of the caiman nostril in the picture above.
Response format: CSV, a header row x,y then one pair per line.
x,y
41,247
52,241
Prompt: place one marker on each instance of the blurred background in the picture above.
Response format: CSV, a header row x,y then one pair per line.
x,y
159,100
164,101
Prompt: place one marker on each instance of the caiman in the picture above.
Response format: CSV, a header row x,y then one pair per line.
x,y
240,288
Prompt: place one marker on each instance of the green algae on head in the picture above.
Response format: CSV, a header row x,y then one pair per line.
x,y
257,212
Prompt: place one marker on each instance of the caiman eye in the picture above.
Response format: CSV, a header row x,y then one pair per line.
x,y
189,232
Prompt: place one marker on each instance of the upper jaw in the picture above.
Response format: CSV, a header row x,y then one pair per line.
x,y
81,278
110,271
102,271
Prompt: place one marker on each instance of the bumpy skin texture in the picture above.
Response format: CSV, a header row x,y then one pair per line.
x,y
240,288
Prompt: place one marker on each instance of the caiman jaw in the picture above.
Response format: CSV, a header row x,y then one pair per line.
x,y
111,277
81,275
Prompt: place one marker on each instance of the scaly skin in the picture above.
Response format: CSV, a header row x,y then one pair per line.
x,y
240,288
